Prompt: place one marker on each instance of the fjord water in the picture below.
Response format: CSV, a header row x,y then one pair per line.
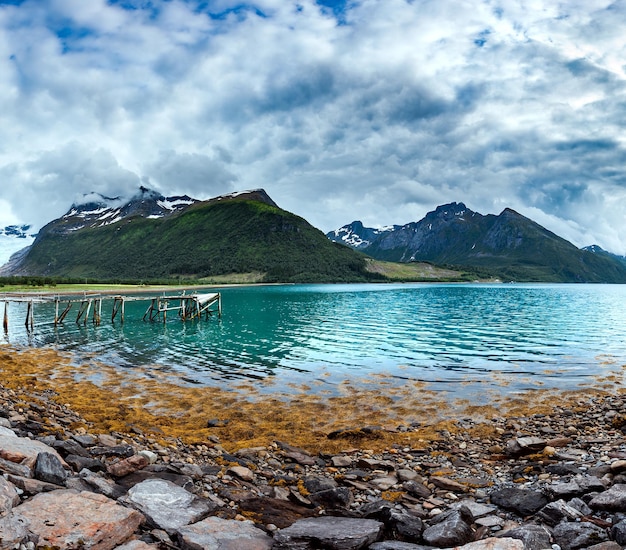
x,y
449,335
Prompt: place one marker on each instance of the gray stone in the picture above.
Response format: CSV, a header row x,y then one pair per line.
x,y
524,502
495,544
316,484
137,545
166,505
8,496
589,484
373,464
397,545
301,458
70,447
557,511
217,533
242,472
338,497
81,463
571,536
477,509
565,490
385,482
403,525
405,474
32,486
21,470
525,445
448,484
416,489
327,532
13,531
85,440
618,532
341,461
5,430
578,486
490,521
609,545
613,499
534,537
581,506
24,446
452,529
101,485
48,468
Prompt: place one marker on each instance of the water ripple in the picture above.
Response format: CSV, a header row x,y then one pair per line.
x,y
449,333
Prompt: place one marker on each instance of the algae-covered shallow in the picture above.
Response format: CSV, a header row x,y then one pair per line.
x,y
375,417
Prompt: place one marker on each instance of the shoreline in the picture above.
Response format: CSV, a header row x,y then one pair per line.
x,y
534,477
247,413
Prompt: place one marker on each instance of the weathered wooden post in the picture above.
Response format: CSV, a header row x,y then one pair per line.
x,y
30,319
6,317
65,312
97,311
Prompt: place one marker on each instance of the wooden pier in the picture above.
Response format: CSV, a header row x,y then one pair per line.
x,y
185,306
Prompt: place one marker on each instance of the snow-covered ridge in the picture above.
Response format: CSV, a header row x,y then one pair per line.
x,y
96,210
175,203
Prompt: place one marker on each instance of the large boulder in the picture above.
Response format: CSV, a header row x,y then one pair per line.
x,y
70,519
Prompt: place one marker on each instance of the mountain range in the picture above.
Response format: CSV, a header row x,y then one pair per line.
x,y
509,245
153,237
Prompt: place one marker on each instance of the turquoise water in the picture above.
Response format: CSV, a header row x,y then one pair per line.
x,y
444,334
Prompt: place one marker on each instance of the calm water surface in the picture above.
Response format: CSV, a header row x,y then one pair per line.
x,y
526,335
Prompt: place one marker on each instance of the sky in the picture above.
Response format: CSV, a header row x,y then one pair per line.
x,y
342,110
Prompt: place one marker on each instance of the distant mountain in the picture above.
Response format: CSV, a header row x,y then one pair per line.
x,y
96,210
153,237
355,235
510,245
601,252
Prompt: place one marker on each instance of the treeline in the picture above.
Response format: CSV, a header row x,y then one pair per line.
x,y
35,281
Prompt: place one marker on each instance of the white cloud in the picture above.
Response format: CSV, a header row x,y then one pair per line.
x,y
397,108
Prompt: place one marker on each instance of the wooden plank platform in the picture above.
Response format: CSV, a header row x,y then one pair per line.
x,y
187,306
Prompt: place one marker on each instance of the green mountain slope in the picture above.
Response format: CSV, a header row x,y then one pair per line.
x,y
205,239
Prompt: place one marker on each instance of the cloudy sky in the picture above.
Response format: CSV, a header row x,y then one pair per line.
x,y
377,110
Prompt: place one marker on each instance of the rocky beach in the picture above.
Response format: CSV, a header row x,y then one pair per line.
x,y
542,480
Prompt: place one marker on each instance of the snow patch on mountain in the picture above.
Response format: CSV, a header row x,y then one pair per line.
x,y
356,235
96,210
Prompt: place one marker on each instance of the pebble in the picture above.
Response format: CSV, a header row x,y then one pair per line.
x,y
553,479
